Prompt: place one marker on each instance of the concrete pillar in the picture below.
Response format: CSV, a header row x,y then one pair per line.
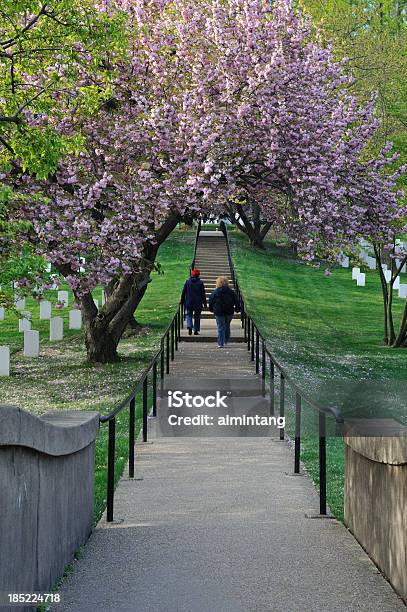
x,y
361,279
4,361
376,495
20,304
45,310
31,343
63,296
24,325
75,319
56,329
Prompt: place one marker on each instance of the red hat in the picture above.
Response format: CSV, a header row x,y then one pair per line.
x,y
196,272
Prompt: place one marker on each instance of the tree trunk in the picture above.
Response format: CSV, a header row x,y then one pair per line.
x,y
390,321
104,328
401,339
253,227
133,324
385,294
101,346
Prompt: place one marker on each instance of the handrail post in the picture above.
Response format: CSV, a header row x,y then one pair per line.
x,y
172,341
282,403
257,351
182,316
155,389
162,367
176,331
132,425
322,463
263,367
145,408
252,343
167,353
271,387
179,324
248,324
297,441
110,469
198,231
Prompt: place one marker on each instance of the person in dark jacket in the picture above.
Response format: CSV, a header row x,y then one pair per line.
x,y
194,299
223,303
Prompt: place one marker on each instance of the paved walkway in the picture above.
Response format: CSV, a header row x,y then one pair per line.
x,y
219,524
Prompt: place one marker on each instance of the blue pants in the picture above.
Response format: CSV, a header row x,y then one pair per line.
x,y
223,323
196,314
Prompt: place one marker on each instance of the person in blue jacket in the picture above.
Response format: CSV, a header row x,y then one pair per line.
x,y
193,299
223,303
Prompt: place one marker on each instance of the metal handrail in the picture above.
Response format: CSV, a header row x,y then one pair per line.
x,y
198,231
334,411
122,405
253,336
162,359
169,344
136,388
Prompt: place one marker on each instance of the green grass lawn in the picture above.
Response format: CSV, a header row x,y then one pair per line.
x,y
62,380
327,333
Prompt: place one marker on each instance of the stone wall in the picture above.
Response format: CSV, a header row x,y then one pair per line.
x,y
46,494
376,500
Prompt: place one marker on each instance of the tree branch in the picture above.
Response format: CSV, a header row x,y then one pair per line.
x,y
8,43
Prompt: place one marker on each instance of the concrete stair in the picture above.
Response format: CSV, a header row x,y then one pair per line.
x,y
209,332
212,260
213,521
236,387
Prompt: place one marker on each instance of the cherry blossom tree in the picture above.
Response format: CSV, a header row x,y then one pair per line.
x,y
53,57
142,172
215,102
395,335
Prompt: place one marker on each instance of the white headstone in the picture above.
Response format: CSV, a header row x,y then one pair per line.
x,y
2,315
403,291
56,329
404,269
387,275
396,283
103,297
20,304
4,361
32,343
384,267
63,296
355,273
48,268
75,319
96,302
45,310
345,261
361,280
24,325
372,263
